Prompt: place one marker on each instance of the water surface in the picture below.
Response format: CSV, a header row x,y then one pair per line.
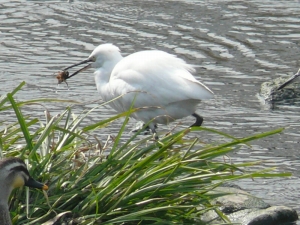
x,y
235,45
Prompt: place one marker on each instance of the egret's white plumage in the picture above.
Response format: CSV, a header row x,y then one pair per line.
x,y
157,82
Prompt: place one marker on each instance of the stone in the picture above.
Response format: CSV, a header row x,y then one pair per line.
x,y
269,92
241,207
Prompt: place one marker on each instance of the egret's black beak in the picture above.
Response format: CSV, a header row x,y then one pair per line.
x,y
80,70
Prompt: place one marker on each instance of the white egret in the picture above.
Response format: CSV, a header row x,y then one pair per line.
x,y
159,84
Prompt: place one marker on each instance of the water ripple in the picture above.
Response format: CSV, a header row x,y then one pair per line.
x,y
235,46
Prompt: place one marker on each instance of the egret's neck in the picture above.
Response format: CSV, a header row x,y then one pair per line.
x,y
102,76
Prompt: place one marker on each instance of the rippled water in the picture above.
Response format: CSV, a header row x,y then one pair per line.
x,y
236,45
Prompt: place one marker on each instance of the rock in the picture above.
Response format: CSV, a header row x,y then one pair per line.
x,y
269,92
241,207
281,88
270,216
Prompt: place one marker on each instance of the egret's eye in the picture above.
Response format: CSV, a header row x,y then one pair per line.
x,y
93,58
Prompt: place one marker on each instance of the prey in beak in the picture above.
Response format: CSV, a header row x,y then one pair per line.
x,y
63,75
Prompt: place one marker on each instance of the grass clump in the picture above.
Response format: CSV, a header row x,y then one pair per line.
x,y
137,181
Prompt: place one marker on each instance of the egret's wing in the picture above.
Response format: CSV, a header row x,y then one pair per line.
x,y
158,77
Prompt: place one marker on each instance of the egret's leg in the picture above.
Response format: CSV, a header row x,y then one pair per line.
x,y
148,127
199,120
152,128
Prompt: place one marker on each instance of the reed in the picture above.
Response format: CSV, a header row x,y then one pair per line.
x,y
134,181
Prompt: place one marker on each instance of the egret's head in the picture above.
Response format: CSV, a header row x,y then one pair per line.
x,y
103,55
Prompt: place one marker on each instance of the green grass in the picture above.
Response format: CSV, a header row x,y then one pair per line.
x,y
138,181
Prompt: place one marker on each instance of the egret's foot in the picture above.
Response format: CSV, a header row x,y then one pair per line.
x,y
199,120
155,137
140,127
152,128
